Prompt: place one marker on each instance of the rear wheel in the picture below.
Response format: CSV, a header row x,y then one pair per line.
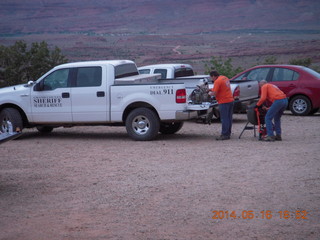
x,y
300,105
170,128
142,124
10,117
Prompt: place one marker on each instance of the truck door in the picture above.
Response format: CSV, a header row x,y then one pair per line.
x,y
89,95
50,98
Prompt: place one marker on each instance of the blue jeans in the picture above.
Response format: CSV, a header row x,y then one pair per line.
x,y
274,113
226,111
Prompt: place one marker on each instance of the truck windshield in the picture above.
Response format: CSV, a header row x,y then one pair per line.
x,y
126,70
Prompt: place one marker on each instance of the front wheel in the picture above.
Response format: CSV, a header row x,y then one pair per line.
x,y
10,118
142,124
170,128
300,105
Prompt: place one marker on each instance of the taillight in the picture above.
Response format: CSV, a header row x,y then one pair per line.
x,y
181,96
236,93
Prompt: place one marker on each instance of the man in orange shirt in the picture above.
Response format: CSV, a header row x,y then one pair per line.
x,y
222,91
279,101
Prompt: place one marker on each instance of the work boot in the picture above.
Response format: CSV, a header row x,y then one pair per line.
x,y
278,138
269,139
223,137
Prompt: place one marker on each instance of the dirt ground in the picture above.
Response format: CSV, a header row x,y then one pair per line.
x,y
96,183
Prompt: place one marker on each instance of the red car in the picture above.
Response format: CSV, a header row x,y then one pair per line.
x,y
300,84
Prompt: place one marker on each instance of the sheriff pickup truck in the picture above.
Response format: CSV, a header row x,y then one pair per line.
x,y
98,93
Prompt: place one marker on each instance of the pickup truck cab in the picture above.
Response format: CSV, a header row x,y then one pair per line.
x,y
97,93
172,70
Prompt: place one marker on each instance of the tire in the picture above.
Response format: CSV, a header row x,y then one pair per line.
x,y
170,128
300,105
13,116
142,124
45,129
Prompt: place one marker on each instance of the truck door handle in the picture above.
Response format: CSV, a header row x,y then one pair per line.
x,y
100,94
249,86
65,95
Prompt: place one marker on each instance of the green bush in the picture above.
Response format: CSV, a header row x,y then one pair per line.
x,y
18,64
224,67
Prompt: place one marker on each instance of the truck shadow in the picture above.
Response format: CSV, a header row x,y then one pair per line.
x,y
110,136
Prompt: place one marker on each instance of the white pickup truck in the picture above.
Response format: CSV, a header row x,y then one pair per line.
x,y
98,93
243,91
171,70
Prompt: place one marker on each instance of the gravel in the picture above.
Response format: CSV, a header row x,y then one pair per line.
x,y
96,183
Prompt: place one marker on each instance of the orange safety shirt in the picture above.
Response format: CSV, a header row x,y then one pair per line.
x,y
222,90
271,93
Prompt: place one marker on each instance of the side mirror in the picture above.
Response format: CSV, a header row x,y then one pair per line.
x,y
30,83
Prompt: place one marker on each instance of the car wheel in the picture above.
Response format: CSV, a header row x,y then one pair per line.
x,y
142,124
300,105
170,128
45,129
10,117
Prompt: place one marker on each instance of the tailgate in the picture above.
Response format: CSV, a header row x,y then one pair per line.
x,y
202,106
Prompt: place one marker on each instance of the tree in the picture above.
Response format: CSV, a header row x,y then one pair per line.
x,y
223,67
303,62
13,63
19,65
270,60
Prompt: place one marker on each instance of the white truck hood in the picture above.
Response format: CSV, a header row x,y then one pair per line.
x,y
12,91
16,88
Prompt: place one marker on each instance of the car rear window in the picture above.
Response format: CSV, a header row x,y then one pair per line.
x,y
312,72
284,74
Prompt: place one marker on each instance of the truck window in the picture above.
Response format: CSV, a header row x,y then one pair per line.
x,y
89,77
57,79
183,72
126,70
144,71
163,72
